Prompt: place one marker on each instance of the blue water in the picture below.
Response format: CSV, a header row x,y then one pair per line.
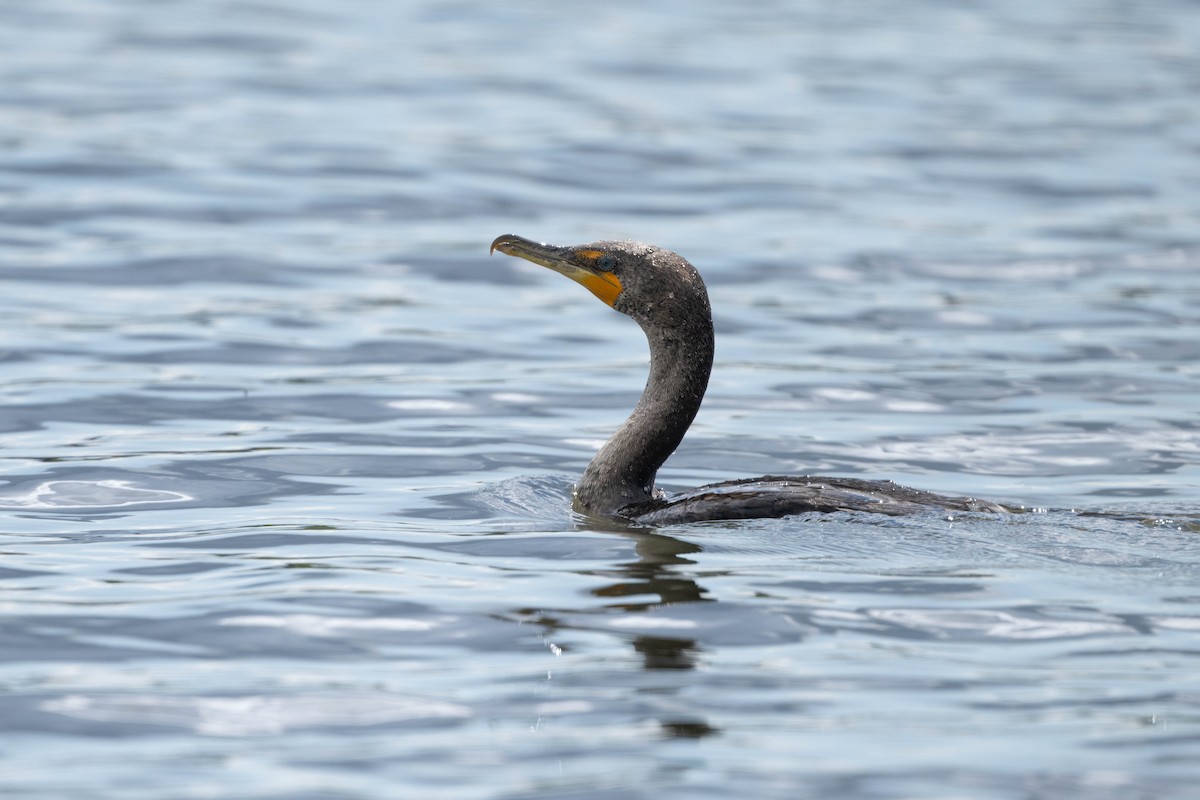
x,y
286,457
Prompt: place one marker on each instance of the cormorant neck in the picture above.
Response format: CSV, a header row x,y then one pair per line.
x,y
623,472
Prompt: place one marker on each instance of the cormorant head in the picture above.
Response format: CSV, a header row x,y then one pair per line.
x,y
656,287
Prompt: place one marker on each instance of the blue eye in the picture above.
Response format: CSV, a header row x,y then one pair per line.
x,y
606,263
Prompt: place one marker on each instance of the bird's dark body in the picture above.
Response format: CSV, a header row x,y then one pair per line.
x,y
666,296
780,496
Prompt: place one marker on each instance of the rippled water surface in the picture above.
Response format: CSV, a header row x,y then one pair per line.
x,y
287,458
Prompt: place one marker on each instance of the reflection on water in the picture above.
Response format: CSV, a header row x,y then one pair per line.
x,y
85,494
286,460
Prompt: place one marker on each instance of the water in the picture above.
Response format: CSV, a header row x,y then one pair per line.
x,y
287,458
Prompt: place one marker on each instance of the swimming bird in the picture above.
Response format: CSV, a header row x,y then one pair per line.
x,y
665,295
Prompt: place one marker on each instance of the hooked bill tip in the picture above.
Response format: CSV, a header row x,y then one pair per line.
x,y
501,239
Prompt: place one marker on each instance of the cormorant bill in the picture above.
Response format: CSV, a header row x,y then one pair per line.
x,y
666,296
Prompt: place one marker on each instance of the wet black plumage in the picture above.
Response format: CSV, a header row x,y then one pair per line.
x,y
667,297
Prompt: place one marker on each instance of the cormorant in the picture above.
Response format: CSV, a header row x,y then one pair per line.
x,y
666,296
